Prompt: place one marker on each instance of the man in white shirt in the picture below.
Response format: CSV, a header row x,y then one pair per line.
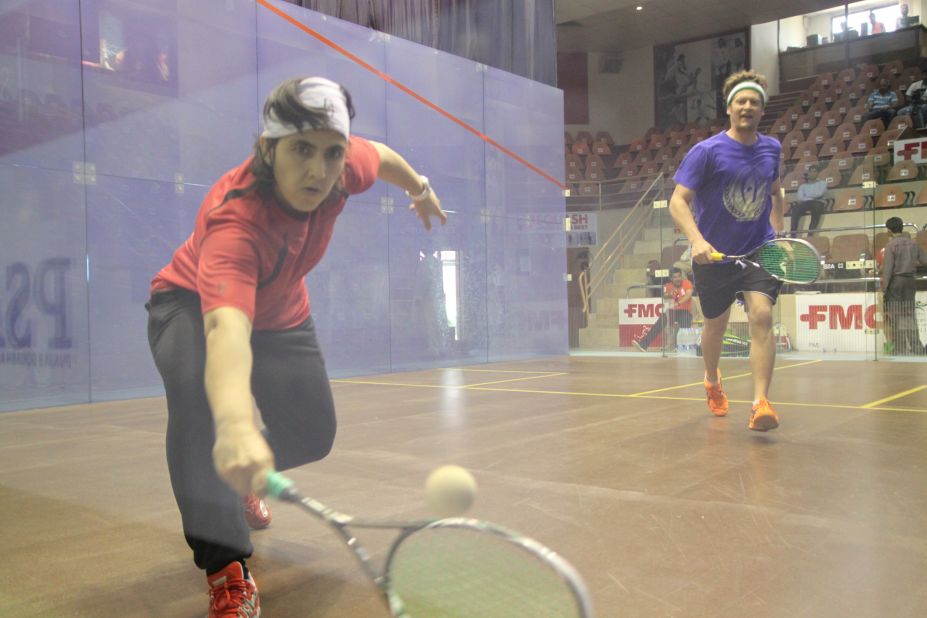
x,y
916,106
810,194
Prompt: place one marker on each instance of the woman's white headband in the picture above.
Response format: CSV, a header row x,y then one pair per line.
x,y
315,93
747,86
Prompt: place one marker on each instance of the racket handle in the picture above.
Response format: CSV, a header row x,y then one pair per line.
x,y
717,256
280,487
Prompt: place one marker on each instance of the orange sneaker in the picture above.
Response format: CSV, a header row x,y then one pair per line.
x,y
717,400
764,417
231,595
256,512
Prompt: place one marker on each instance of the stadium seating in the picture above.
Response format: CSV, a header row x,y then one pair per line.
x,y
893,196
823,126
851,199
849,247
821,243
903,171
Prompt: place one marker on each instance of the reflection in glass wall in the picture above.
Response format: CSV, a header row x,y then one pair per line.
x,y
118,115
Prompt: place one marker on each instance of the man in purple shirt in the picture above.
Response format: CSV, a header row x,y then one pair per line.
x,y
728,199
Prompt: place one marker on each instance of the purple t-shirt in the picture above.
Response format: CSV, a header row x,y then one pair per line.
x,y
732,184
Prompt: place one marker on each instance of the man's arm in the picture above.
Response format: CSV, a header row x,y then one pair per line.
x,y
888,264
395,170
686,296
777,214
819,189
681,211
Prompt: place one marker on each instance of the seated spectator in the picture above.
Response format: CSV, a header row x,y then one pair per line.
x,y
882,103
809,201
677,310
916,105
875,26
846,33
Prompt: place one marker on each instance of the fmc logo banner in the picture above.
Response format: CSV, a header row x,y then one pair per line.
x,y
910,150
634,314
845,322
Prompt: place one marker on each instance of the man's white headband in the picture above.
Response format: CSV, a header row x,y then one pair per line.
x,y
315,93
747,86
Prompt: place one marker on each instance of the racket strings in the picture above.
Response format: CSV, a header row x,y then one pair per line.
x,y
458,573
794,262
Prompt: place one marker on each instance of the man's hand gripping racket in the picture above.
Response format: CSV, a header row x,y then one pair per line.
x,y
790,260
456,567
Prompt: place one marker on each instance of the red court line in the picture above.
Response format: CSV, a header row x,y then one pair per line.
x,y
385,77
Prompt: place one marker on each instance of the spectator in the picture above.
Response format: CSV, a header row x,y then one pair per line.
x,y
875,27
916,105
809,201
905,20
677,309
846,33
882,103
899,266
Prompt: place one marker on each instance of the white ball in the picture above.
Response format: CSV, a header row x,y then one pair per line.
x,y
450,491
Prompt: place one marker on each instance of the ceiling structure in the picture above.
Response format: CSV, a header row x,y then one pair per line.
x,y
617,25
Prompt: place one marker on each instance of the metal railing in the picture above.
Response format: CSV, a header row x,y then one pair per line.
x,y
632,225
851,228
642,286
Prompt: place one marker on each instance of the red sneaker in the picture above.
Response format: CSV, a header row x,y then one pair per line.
x,y
256,512
231,595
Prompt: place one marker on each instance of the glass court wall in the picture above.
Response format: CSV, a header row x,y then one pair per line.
x,y
116,116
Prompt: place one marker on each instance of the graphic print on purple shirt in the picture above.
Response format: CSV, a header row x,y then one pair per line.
x,y
732,184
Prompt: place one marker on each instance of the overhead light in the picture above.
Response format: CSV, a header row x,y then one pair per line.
x,y
640,8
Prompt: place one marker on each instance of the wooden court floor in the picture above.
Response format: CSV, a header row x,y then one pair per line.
x,y
614,462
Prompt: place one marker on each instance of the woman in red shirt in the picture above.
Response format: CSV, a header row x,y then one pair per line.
x,y
230,327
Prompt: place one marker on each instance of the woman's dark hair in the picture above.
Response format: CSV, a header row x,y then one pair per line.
x,y
286,105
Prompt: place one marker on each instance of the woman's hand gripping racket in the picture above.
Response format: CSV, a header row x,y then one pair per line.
x,y
457,567
790,260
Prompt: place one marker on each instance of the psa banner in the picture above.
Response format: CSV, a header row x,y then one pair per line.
x,y
44,356
35,330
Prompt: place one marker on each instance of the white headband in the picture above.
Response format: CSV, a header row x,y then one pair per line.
x,y
314,93
747,86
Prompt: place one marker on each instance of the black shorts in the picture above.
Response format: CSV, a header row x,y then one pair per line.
x,y
718,285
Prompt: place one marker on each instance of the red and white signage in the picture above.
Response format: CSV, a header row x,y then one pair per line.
x,y
634,314
911,150
845,322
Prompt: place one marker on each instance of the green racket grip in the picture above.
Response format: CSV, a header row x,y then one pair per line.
x,y
717,256
280,487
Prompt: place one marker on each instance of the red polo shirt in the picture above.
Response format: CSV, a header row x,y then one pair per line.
x,y
253,253
671,290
